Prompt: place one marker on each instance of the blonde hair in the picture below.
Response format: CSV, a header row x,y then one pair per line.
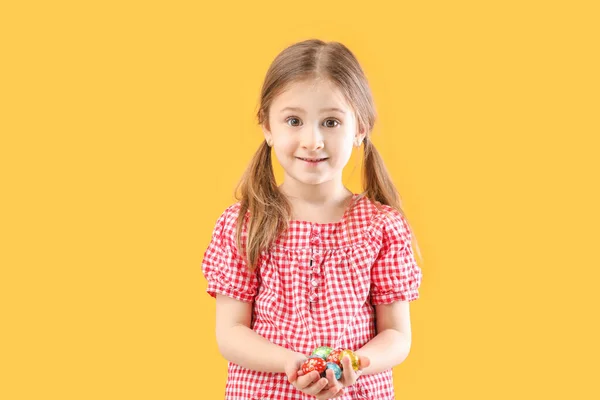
x,y
269,210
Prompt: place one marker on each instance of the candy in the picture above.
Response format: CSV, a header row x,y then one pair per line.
x,y
336,370
322,351
324,358
314,364
353,358
334,357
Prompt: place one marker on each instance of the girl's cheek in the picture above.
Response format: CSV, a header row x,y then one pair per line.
x,y
287,144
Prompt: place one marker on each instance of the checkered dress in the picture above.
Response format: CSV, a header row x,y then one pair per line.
x,y
316,286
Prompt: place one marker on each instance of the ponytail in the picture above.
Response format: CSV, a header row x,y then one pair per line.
x,y
268,208
377,180
378,184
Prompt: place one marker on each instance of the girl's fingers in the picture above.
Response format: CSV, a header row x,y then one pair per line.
x,y
292,376
305,381
363,362
349,375
330,393
336,388
316,388
331,378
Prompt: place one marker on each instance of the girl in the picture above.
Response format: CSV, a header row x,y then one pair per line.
x,y
308,263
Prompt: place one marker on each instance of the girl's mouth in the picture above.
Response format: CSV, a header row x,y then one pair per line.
x,y
312,160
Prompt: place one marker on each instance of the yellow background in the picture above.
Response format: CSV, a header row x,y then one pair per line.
x,y
126,125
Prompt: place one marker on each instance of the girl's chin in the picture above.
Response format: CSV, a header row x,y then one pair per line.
x,y
309,180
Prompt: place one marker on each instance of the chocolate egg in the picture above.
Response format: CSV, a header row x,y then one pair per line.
x,y
353,358
322,352
336,370
314,364
334,357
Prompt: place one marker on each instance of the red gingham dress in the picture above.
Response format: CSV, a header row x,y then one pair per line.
x,y
316,286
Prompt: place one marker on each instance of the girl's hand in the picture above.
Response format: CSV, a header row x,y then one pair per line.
x,y
310,383
349,375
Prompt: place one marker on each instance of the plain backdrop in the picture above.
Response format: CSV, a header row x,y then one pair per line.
x,y
125,126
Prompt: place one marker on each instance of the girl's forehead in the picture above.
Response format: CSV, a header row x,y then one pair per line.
x,y
311,94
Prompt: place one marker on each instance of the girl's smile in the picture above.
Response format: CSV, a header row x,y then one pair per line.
x,y
312,161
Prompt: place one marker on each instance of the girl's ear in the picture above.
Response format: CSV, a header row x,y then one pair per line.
x,y
361,133
265,126
267,133
359,137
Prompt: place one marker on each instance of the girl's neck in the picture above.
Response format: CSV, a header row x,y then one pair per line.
x,y
326,193
323,203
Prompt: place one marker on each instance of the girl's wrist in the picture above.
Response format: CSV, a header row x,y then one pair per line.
x,y
293,356
291,363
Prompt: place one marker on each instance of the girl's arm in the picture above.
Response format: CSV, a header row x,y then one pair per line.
x,y
391,345
239,344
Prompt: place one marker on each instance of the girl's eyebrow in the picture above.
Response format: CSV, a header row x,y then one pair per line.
x,y
322,110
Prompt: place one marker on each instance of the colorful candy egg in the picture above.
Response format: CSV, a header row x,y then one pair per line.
x,y
334,357
336,370
353,358
314,364
322,351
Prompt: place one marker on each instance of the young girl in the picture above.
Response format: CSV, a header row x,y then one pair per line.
x,y
308,263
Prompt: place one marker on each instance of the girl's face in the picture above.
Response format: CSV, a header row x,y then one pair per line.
x,y
312,131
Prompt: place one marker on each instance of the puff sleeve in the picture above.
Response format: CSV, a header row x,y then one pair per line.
x,y
224,269
395,275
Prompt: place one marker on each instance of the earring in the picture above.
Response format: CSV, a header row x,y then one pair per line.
x,y
269,143
357,142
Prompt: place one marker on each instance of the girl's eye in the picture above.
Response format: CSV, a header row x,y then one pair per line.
x,y
336,123
292,119
330,123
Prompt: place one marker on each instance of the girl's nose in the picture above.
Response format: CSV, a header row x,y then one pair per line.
x,y
312,139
